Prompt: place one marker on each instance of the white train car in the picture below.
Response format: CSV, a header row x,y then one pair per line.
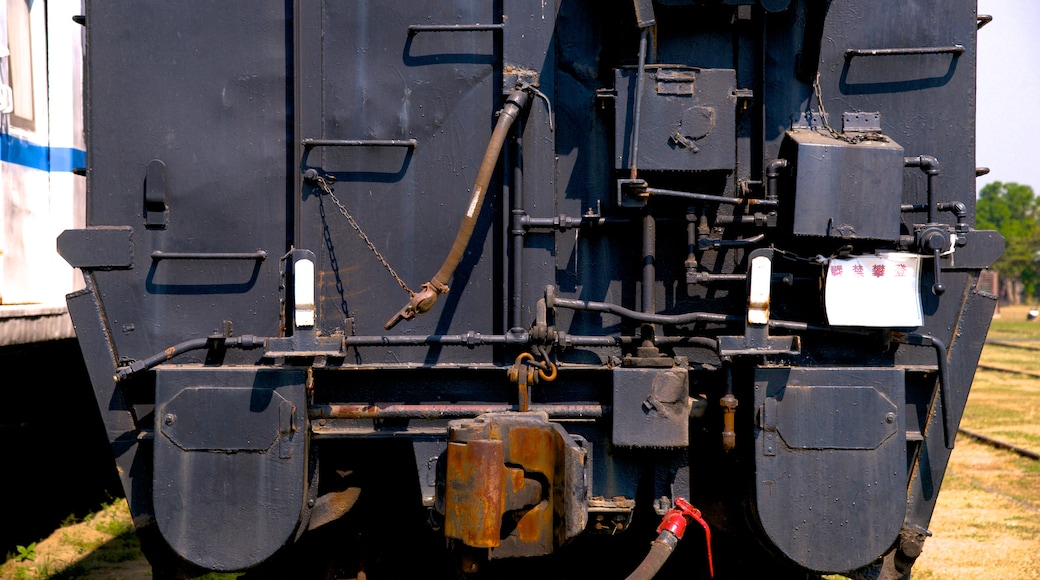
x,y
41,153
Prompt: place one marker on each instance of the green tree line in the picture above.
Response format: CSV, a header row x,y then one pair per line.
x,y
1014,211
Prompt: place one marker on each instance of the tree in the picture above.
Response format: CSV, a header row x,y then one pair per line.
x,y
1014,211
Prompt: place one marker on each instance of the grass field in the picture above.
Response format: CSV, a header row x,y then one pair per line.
x,y
986,524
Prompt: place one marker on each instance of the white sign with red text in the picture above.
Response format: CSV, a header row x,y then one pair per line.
x,y
878,291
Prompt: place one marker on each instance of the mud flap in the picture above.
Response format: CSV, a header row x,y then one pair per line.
x,y
831,473
230,462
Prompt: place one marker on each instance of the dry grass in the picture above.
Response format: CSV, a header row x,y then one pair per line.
x,y
986,524
102,547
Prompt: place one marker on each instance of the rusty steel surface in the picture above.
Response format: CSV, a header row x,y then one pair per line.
x,y
450,411
475,492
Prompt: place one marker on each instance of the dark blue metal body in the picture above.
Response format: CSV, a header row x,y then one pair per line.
x,y
653,237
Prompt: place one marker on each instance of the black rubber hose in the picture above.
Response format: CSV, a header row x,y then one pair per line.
x,y
660,550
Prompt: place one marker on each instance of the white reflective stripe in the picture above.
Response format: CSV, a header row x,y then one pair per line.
x,y
473,201
758,297
303,288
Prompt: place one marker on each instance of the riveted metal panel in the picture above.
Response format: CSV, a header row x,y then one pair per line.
x,y
230,462
830,467
687,122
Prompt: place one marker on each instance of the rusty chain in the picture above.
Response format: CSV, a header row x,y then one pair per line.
x,y
819,105
853,139
324,185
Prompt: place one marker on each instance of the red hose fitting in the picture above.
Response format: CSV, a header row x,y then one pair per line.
x,y
676,520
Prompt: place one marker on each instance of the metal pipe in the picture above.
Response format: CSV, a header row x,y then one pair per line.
x,y
258,255
772,176
414,28
633,152
409,143
245,342
710,198
517,232
642,316
470,339
955,50
450,410
930,166
649,257
945,387
566,222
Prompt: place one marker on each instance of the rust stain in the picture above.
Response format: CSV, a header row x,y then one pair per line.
x,y
475,492
530,528
534,448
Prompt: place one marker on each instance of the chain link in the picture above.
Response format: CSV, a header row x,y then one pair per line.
x,y
854,138
819,105
324,185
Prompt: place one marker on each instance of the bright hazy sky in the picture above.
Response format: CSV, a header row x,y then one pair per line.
x,y
1008,114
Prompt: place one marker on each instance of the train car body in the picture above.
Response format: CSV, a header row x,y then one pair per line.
x,y
41,145
701,262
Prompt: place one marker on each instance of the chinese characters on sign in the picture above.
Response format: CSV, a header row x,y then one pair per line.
x,y
874,291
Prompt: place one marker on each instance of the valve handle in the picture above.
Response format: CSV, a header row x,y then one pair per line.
x,y
937,288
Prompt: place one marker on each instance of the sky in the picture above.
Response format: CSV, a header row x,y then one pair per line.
x,y
1008,114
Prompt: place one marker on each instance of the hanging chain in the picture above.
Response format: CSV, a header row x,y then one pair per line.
x,y
324,185
819,105
854,138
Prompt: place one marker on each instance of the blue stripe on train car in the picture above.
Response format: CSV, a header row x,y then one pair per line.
x,y
28,154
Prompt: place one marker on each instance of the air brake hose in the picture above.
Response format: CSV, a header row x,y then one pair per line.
x,y
672,528
422,301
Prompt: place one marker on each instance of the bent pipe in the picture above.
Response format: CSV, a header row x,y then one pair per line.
x,y
929,166
246,342
421,302
646,317
945,387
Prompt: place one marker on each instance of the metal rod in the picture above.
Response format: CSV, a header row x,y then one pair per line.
x,y
642,316
649,256
470,339
450,410
711,198
955,50
414,28
633,152
257,255
409,143
517,232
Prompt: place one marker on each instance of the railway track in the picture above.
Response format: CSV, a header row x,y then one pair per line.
x,y
1003,369
992,441
1025,344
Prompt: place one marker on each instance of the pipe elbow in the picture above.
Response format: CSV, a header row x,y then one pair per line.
x,y
774,167
925,163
